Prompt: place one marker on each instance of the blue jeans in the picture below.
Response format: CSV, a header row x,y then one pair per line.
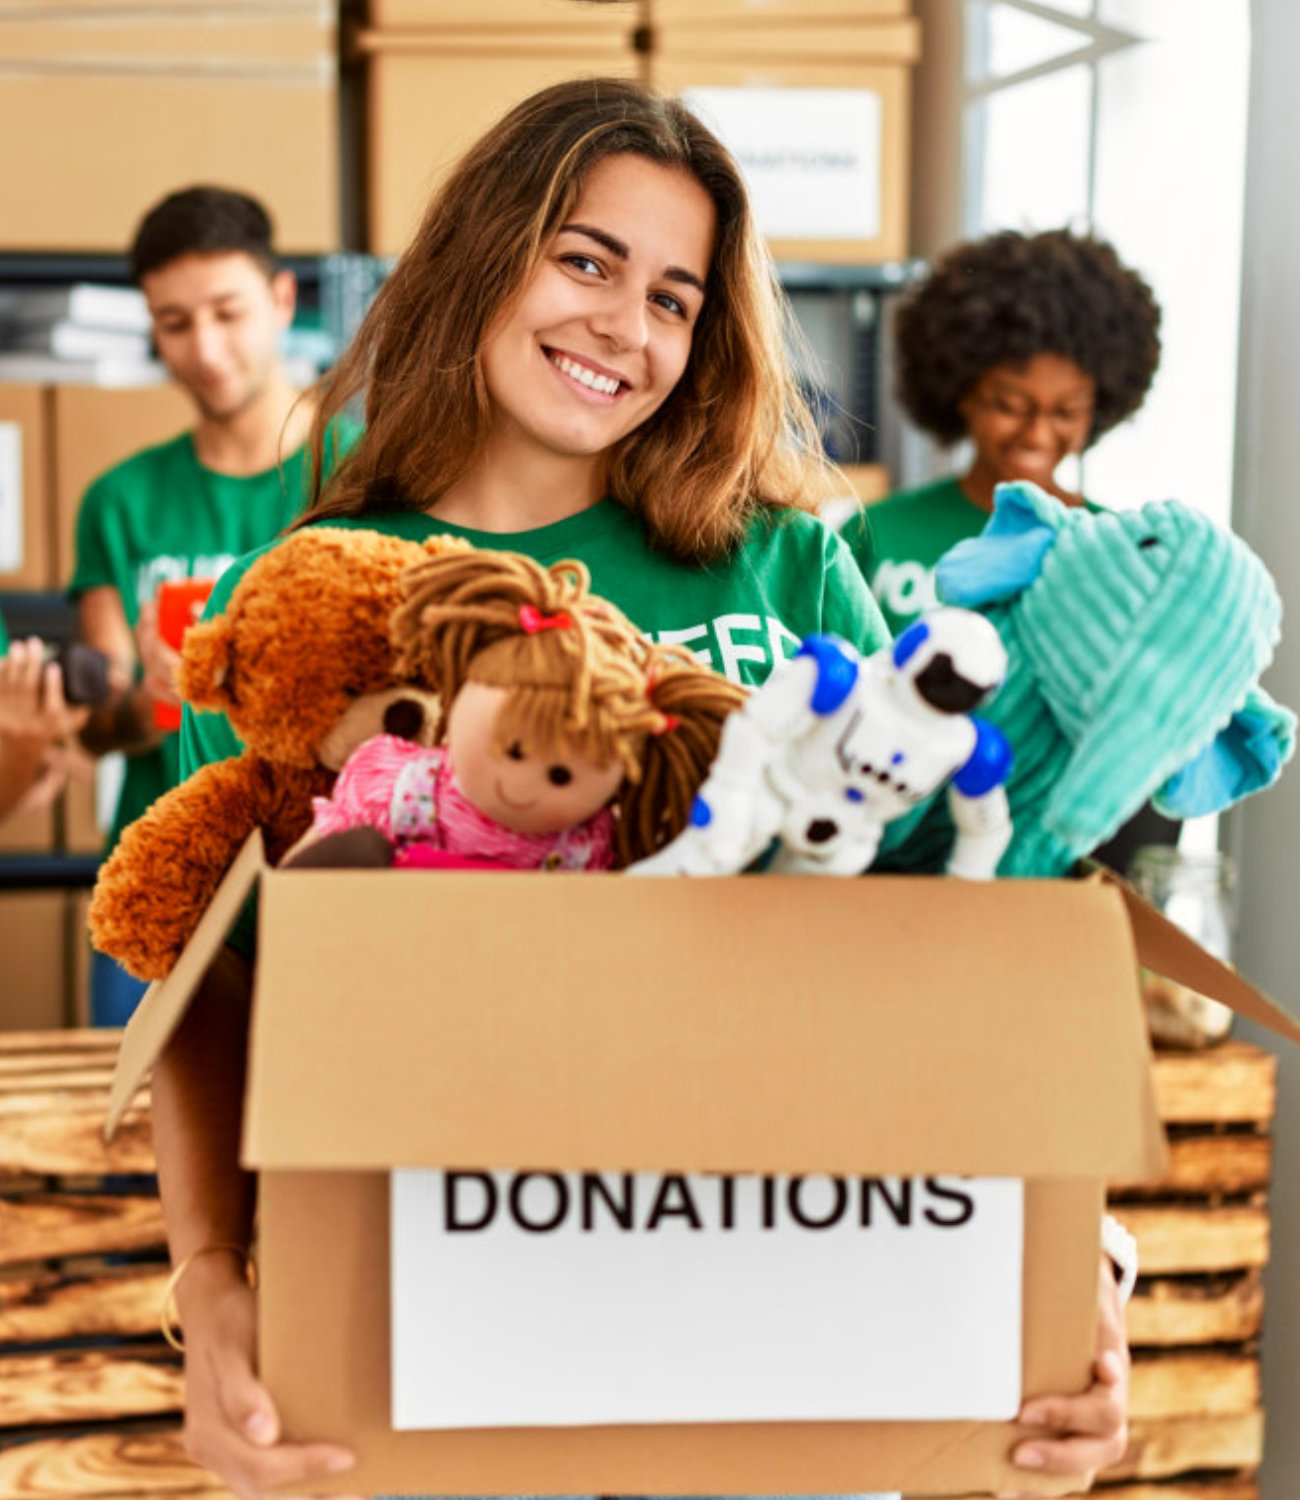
x,y
114,994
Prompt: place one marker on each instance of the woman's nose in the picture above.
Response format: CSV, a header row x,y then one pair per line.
x,y
622,321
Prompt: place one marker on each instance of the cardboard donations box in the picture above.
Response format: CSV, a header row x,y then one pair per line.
x,y
558,1031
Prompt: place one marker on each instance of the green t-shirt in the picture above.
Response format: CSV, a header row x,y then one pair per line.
x,y
4,636
740,615
160,515
898,541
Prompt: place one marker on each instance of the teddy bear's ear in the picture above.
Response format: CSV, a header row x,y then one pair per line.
x,y
205,665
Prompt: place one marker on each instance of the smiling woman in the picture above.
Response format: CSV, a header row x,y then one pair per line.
x,y
581,355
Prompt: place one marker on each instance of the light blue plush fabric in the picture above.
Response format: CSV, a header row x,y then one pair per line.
x,y
1135,641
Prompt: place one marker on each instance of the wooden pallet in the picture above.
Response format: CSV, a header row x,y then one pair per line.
x,y
90,1396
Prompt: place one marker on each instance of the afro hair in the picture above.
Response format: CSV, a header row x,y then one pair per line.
x,y
1006,298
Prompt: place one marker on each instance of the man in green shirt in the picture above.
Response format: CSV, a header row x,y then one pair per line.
x,y
186,508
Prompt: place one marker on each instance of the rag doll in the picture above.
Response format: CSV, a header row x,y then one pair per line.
x,y
568,741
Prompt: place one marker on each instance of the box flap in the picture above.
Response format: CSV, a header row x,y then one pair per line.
x,y
1168,950
741,1024
164,1003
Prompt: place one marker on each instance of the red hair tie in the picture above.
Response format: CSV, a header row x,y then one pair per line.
x,y
669,724
533,620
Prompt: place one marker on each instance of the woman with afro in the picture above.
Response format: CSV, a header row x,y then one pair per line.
x,y
1031,346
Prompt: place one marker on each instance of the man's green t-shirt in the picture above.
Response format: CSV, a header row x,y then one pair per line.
x,y
898,541
160,516
792,577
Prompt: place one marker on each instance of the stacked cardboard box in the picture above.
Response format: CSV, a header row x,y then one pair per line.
x,y
439,72
106,108
813,96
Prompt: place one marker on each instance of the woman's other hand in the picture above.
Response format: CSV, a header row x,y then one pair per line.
x,y
232,1427
1084,1434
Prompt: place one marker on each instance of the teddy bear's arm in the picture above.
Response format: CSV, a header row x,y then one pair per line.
x,y
157,883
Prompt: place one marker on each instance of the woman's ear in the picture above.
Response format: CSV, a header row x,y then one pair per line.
x,y
205,665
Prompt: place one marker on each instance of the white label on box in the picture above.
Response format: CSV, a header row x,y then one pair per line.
x,y
810,157
558,1299
11,497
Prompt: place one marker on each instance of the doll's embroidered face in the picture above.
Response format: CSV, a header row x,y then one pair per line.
x,y
531,792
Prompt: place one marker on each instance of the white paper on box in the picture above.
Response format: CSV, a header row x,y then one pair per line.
x,y
810,157
555,1299
11,497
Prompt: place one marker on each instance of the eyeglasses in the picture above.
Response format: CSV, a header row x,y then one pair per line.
x,y
1024,411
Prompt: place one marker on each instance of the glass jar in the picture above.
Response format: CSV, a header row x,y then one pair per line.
x,y
1196,892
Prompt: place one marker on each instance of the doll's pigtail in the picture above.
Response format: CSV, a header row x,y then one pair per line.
x,y
689,705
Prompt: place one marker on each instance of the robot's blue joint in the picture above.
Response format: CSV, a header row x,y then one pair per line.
x,y
989,764
701,813
910,642
837,671
854,795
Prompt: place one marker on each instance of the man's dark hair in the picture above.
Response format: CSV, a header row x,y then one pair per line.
x,y
1004,299
202,221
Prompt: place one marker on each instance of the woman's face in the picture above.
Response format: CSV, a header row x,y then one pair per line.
x,y
1025,419
602,332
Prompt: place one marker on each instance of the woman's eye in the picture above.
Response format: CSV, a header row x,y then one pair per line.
x,y
559,776
669,303
515,751
583,263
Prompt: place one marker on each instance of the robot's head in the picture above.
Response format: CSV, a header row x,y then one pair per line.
x,y
953,658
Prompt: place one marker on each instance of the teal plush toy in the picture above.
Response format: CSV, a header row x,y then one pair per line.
x,y
1135,642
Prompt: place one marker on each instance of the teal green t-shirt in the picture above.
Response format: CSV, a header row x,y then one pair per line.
x,y
160,516
792,577
898,541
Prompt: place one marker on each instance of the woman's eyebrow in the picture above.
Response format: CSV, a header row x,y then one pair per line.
x,y
618,248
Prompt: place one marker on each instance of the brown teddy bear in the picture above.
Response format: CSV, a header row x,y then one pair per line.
x,y
302,665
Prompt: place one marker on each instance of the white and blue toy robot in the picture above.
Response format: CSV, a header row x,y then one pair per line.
x,y
835,745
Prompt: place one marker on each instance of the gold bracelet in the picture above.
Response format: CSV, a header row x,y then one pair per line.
x,y
169,1318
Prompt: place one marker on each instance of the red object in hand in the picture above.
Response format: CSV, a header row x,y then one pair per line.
x,y
180,603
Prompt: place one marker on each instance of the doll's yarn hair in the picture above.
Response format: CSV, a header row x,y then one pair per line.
x,y
579,678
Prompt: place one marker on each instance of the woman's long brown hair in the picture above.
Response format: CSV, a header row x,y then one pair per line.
x,y
734,435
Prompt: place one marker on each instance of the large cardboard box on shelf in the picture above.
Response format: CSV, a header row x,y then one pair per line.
x,y
95,427
33,976
432,93
107,108
26,532
817,114
740,1025
91,429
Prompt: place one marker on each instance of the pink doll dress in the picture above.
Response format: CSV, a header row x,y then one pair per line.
x,y
411,794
